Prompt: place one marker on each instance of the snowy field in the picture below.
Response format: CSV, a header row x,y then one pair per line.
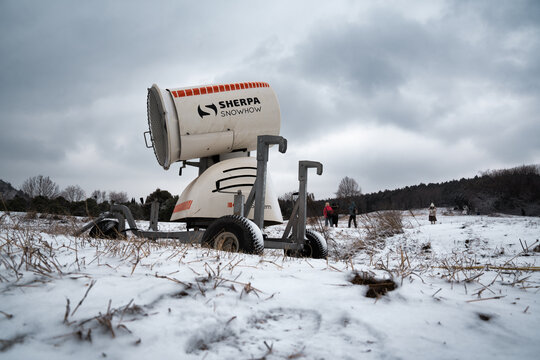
x,y
467,287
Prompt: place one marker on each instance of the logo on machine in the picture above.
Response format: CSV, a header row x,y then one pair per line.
x,y
203,113
231,107
239,106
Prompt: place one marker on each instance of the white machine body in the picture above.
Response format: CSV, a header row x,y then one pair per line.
x,y
207,121
211,195
202,121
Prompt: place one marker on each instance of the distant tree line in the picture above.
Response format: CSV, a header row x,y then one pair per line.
x,y
41,194
512,191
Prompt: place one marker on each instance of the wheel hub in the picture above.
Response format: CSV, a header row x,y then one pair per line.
x,y
226,241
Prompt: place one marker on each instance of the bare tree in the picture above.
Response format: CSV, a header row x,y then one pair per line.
x,y
40,186
118,197
99,195
289,196
73,193
348,187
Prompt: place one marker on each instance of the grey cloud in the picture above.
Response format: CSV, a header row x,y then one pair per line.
x,y
516,139
28,148
361,72
354,72
384,53
347,58
65,52
370,65
500,13
508,44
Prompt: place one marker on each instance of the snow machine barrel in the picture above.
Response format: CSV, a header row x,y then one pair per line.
x,y
202,121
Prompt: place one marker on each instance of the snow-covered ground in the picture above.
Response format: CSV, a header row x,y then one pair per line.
x,y
468,287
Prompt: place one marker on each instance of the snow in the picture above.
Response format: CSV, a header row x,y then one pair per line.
x,y
165,300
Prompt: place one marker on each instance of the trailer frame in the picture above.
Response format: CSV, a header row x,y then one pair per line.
x,y
293,238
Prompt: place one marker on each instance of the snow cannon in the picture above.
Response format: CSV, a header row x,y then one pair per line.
x,y
203,121
219,125
229,203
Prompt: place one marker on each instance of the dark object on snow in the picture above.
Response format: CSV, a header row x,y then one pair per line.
x,y
105,229
426,247
377,288
484,317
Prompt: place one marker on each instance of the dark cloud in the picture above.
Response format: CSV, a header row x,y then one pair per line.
x,y
414,75
357,72
500,14
465,78
66,53
60,53
35,149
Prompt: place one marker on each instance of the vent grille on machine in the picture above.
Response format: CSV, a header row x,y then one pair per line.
x,y
157,127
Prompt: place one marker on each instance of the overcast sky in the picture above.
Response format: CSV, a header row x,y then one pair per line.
x,y
390,93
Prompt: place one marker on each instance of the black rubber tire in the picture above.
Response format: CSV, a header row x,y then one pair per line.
x,y
105,229
234,233
314,247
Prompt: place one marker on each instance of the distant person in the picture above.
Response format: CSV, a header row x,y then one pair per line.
x,y
352,213
335,214
432,214
328,212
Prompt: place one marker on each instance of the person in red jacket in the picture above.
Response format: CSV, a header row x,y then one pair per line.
x,y
327,212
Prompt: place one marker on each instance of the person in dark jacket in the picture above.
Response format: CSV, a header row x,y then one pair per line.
x,y
352,213
335,215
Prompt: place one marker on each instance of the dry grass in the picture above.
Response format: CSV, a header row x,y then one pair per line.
x,y
400,265
109,322
370,237
465,269
6,344
458,268
382,224
25,250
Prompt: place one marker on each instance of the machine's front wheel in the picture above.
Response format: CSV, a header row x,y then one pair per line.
x,y
234,233
315,247
105,229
